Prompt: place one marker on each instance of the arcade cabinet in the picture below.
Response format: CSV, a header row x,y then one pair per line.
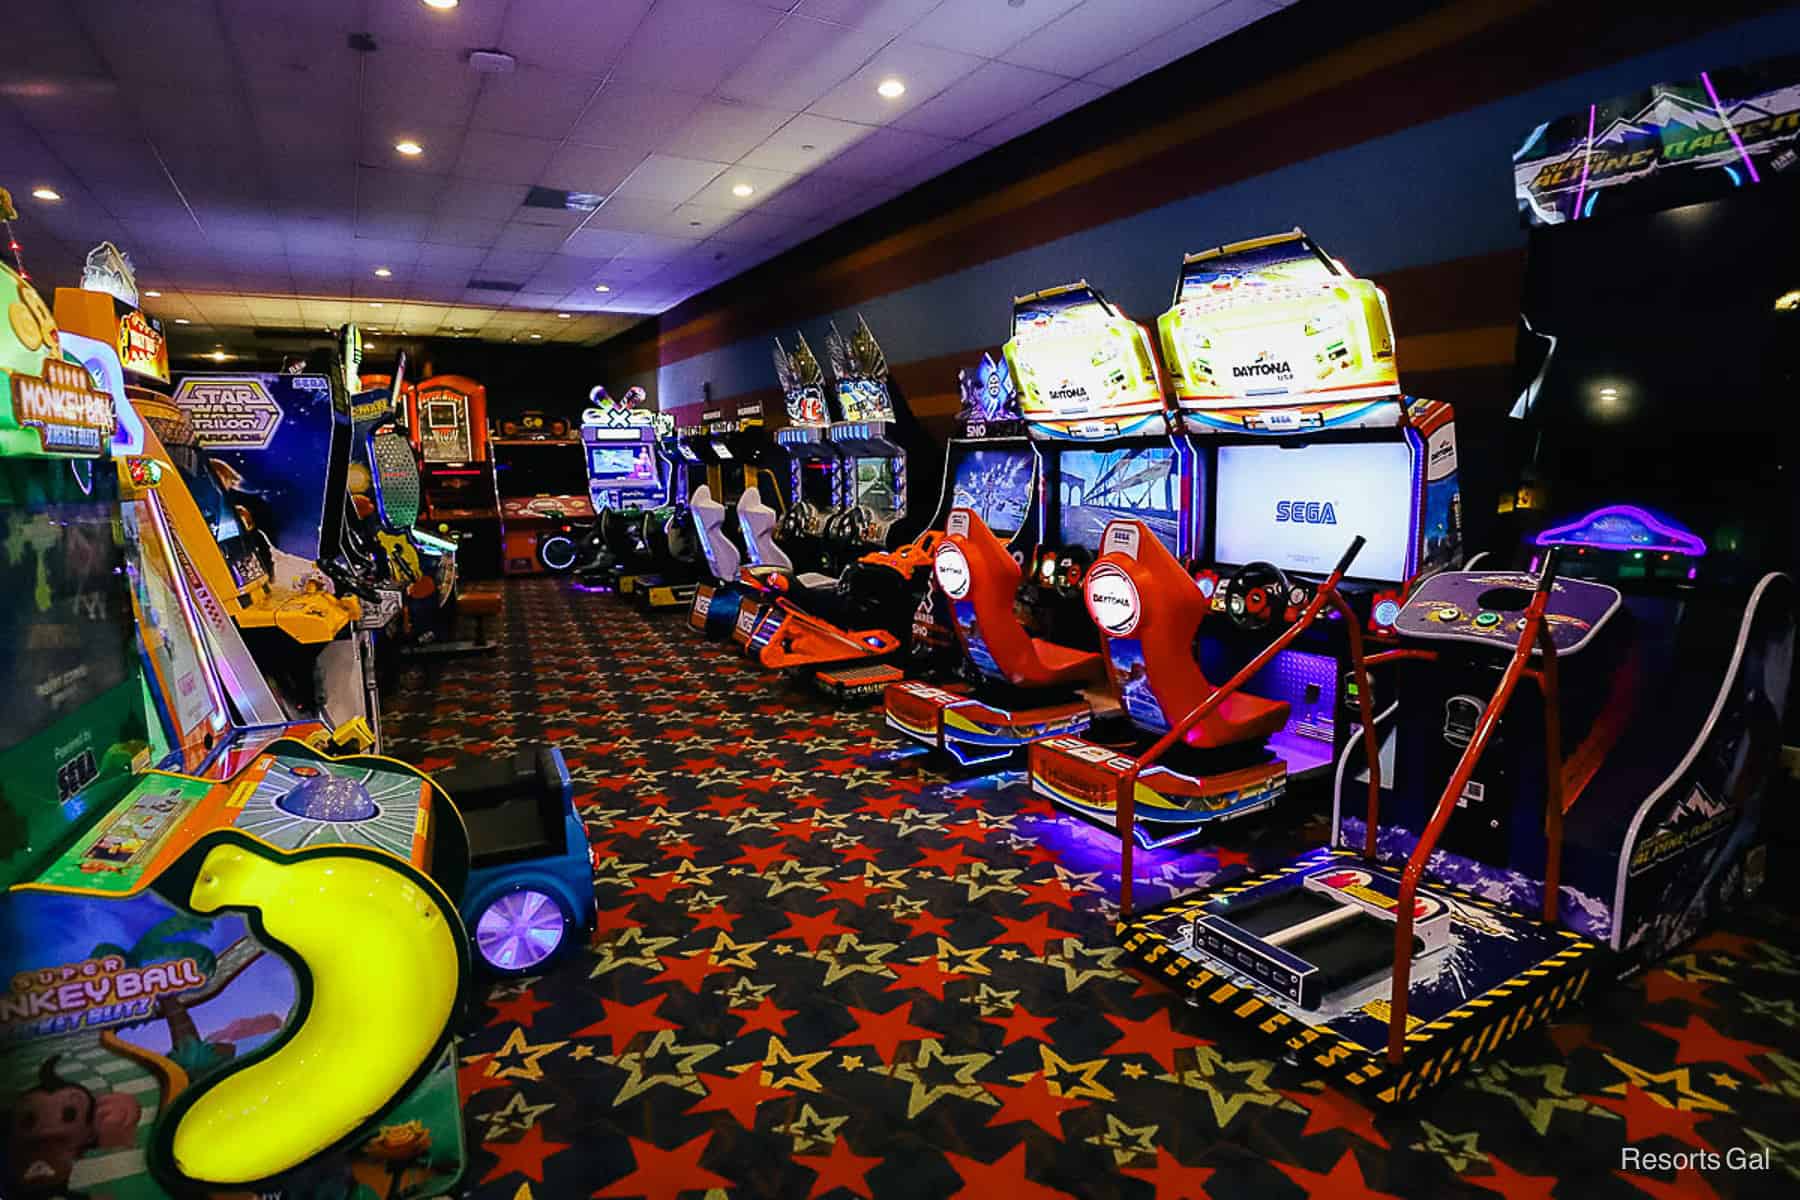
x,y
629,484
541,476
817,485
874,463
1578,741
447,422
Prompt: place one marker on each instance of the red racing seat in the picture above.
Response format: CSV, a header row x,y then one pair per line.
x,y
981,578
1149,611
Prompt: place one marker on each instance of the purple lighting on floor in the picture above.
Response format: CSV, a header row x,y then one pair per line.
x,y
1607,528
1737,141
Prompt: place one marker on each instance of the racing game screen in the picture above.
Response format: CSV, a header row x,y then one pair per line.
x,y
818,487
522,470
996,485
1097,486
875,483
628,464
1299,508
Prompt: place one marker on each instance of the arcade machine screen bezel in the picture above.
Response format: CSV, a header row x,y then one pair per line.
x,y
976,459
818,482
1264,476
1075,455
519,453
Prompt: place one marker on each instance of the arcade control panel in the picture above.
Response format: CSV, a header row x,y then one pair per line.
x,y
1488,608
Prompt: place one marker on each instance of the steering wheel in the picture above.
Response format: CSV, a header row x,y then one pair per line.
x,y
855,527
1255,594
797,522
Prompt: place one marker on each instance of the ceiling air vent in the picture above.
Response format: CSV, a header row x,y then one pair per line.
x,y
493,285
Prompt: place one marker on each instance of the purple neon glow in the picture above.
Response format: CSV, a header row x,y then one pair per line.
x,y
519,930
1679,541
1744,154
1586,158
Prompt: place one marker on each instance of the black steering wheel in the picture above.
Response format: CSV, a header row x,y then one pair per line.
x,y
797,522
1256,594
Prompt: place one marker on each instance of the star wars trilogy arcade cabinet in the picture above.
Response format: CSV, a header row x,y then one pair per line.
x,y
1578,740
447,422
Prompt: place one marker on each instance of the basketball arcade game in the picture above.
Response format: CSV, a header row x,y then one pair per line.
x,y
447,423
1582,736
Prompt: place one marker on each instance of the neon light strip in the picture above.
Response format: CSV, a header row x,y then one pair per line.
x,y
1683,541
1586,158
1415,442
1735,139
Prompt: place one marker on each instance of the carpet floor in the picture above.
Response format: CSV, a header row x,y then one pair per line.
x,y
823,969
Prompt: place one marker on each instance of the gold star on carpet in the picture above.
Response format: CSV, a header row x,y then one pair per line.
x,y
843,840
850,1062
663,1063
700,901
783,1069
1228,1085
726,953
858,777
1134,1070
1125,1141
1785,1155
1789,1083
744,994
745,820
963,962
1721,1079
784,948
582,1052
686,871
1459,1150
853,956
530,1057
993,1002
524,1193
911,820
629,949
1774,958
1079,964
1502,1079
877,877
905,906
788,875
1676,1087
601,818
810,1130
515,1116
1090,882
934,1075
1078,1081
983,880
1687,966
617,871
1009,955
1780,1010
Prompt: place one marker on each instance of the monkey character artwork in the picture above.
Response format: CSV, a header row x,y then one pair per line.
x,y
56,1123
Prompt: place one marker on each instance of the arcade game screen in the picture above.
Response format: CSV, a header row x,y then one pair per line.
x,y
817,485
540,469
1298,508
996,485
633,464
875,483
1097,486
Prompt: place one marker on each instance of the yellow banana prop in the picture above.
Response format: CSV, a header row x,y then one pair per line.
x,y
385,965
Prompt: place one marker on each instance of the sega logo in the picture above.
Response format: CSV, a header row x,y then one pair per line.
x,y
1306,512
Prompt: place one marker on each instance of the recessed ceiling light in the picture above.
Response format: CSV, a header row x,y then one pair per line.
x,y
601,287
218,355
409,148
562,316
376,304
537,337
46,193
441,5
382,272
743,189
1609,393
890,89
183,321
153,295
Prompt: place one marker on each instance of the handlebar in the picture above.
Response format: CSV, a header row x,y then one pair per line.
x,y
1356,545
1547,575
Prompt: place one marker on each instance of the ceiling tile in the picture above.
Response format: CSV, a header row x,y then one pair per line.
x,y
701,220
571,35
1184,39
806,143
724,132
533,101
512,265
890,16
884,152
800,62
665,177
637,117
451,230
988,29
536,238
1098,32
139,41
996,90
94,106
595,169
503,157
810,195
474,198
650,248
434,255
766,184
1070,96
926,71
404,86
698,42
758,226
630,213
470,23
379,189
392,226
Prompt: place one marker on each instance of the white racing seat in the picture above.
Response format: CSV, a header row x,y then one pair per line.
x,y
709,517
758,521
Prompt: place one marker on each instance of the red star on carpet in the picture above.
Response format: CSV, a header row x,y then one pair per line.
x,y
1034,934
760,858
472,1078
1038,853
1331,1109
950,859
884,1031
1037,806
837,766
969,831
737,1094
1229,858
968,800
696,765
690,971
1734,944
926,923
812,930
665,1174
1698,1042
1511,1184
1022,1023
1172,1179
860,852
631,826
854,890
622,1022
928,975
725,806
1032,1101
1570,1037
910,786
766,1015
814,801
840,1168
520,1010
658,887
1005,1176
1343,1182
1647,1117
1687,1185
1661,985
885,806
599,852
1051,891
523,1157
716,917
803,830
681,849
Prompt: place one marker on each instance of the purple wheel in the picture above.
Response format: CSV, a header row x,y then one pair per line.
x,y
520,930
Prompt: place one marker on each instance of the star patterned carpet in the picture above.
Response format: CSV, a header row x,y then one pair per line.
x,y
823,969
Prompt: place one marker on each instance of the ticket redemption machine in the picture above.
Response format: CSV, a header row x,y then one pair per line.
x,y
447,422
228,986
